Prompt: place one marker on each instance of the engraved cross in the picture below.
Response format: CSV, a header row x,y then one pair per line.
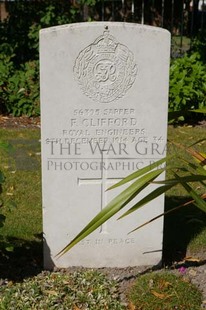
x,y
104,181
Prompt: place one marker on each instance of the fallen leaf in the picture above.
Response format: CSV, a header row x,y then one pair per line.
x,y
164,284
192,259
159,295
186,279
66,282
131,306
51,292
76,308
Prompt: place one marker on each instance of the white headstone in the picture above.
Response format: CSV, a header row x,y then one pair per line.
x,y
104,95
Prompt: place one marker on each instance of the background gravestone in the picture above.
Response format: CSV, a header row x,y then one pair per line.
x,y
104,94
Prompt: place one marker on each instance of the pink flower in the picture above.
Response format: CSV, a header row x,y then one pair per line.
x,y
182,270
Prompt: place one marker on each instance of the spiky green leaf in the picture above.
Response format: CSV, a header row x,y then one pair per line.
x,y
139,173
113,207
151,196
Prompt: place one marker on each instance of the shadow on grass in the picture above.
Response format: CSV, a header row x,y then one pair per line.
x,y
180,227
24,261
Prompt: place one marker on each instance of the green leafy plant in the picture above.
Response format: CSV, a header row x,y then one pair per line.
x,y
55,13
185,175
187,86
78,290
6,70
19,49
20,91
20,29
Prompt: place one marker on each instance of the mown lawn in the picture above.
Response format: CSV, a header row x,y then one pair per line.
x,y
21,167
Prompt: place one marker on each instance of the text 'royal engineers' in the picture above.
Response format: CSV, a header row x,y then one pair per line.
x,y
104,96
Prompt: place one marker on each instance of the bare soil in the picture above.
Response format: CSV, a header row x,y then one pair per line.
x,y
21,122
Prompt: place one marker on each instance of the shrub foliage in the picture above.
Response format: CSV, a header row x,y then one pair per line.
x,y
187,84
19,36
19,89
19,71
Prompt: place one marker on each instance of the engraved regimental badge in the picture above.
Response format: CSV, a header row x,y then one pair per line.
x,y
105,69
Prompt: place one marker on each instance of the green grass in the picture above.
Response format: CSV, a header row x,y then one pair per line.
x,y
21,167
164,291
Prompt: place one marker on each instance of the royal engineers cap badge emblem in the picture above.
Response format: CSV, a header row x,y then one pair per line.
x,y
105,69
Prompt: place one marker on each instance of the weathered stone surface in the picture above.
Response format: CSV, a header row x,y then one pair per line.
x,y
104,94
